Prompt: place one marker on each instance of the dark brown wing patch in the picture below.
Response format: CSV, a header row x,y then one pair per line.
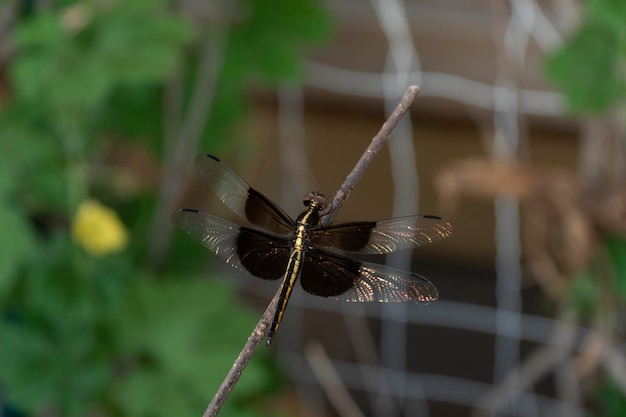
x,y
332,275
263,255
327,274
258,253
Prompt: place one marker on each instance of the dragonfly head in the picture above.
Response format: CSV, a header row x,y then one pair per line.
x,y
316,199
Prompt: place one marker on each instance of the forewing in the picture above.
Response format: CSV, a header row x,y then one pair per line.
x,y
384,236
238,196
332,275
261,254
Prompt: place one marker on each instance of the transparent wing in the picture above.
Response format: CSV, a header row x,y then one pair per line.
x,y
238,196
261,254
384,236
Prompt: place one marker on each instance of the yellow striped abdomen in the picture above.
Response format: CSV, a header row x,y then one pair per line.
x,y
291,276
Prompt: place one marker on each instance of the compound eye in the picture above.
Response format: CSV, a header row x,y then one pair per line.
x,y
306,203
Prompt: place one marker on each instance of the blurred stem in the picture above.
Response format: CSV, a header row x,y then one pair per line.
x,y
606,273
73,144
183,143
173,101
72,141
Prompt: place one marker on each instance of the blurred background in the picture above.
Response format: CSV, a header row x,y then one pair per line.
x,y
517,138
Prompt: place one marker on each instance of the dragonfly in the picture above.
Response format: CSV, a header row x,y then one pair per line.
x,y
279,247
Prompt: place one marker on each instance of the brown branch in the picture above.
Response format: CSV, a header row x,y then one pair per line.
x,y
353,178
372,150
242,360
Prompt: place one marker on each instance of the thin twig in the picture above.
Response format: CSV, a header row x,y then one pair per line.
x,y
353,178
242,360
331,382
538,364
372,150
9,14
364,346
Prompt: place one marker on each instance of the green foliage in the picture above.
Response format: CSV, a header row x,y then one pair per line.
x,y
603,284
36,163
590,66
83,335
611,13
16,239
616,248
612,401
82,340
52,340
586,69
186,349
265,45
71,59
584,293
259,46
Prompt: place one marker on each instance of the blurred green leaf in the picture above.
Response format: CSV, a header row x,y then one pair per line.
x,y
617,251
188,333
586,69
584,293
16,239
269,42
36,165
613,402
43,369
131,114
605,276
76,69
55,336
266,45
69,289
24,355
176,397
611,13
140,43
